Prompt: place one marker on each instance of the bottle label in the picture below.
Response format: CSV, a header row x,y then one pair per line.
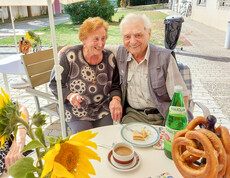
x,y
177,111
169,135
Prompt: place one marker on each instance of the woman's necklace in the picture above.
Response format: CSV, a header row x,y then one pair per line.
x,y
94,80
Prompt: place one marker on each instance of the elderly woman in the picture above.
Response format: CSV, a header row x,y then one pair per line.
x,y
90,80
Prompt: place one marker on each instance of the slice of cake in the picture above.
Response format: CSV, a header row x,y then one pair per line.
x,y
144,133
137,136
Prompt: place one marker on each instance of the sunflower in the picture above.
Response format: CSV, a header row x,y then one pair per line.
x,y
9,117
4,99
71,157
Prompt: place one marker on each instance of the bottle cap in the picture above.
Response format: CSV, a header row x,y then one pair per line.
x,y
178,88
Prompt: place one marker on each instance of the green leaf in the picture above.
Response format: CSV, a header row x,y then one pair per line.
x,y
30,175
22,167
52,141
40,135
32,145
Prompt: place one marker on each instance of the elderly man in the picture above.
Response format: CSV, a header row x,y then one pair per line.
x,y
148,73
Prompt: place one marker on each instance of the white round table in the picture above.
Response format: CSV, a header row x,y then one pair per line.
x,y
152,162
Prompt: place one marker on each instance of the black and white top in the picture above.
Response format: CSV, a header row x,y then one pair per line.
x,y
95,83
3,153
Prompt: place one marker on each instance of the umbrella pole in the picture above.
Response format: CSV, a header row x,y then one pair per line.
x,y
12,21
58,70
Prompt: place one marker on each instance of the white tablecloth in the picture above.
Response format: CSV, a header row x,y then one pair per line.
x,y
12,65
153,162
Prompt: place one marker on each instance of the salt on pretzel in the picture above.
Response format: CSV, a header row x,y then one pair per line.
x,y
225,139
187,169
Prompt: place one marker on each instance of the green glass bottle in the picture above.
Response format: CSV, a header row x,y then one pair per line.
x,y
176,119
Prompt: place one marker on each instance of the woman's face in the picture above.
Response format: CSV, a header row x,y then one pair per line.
x,y
95,42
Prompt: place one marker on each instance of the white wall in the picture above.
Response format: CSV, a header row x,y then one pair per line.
x,y
21,11
211,14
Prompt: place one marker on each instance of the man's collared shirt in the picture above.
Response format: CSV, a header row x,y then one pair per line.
x,y
138,94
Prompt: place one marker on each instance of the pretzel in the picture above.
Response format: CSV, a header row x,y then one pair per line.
x,y
187,169
192,124
192,144
218,146
225,138
195,122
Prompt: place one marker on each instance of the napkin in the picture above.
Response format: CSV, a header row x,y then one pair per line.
x,y
160,144
163,175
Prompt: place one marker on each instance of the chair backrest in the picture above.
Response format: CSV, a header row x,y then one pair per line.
x,y
186,75
38,66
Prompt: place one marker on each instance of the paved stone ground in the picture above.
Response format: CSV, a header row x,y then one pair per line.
x,y
209,62
206,57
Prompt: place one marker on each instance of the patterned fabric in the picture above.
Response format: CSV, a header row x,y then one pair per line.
x,y
92,82
186,75
3,153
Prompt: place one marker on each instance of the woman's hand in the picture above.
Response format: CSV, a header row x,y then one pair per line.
x,y
14,154
15,150
75,99
116,108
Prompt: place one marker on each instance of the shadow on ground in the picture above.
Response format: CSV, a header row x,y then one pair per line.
x,y
210,58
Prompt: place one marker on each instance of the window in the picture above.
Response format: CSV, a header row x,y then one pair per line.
x,y
224,3
201,2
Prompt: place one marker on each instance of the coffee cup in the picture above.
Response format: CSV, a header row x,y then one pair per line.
x,y
123,153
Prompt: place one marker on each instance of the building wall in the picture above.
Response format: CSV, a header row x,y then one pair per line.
x,y
21,11
211,14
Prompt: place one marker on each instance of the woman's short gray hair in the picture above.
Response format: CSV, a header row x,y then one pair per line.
x,y
134,18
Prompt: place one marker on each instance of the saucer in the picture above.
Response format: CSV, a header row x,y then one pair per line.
x,y
121,167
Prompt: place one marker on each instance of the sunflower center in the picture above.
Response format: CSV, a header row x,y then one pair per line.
x,y
68,156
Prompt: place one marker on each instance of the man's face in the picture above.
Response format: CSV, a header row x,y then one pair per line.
x,y
136,38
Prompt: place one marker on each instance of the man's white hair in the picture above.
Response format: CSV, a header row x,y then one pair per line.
x,y
131,18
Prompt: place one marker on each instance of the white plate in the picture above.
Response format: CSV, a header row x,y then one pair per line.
x,y
127,134
121,167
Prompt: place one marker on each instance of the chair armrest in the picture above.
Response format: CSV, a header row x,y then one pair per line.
x,y
204,109
42,95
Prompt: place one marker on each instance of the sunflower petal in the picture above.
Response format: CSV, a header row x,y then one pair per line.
x,y
91,144
1,101
81,173
85,163
49,160
23,116
61,171
88,153
2,140
75,143
6,96
84,135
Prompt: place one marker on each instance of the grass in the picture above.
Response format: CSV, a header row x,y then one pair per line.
x,y
67,33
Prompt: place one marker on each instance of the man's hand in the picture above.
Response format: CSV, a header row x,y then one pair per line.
x,y
75,99
116,108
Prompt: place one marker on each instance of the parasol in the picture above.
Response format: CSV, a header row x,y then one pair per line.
x,y
58,69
